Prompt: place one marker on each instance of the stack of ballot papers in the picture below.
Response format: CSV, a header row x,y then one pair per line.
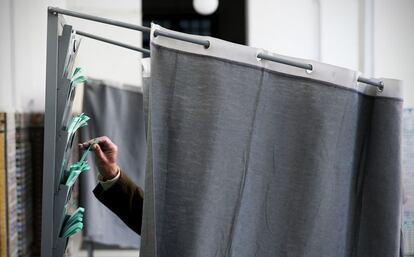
x,y
73,224
76,79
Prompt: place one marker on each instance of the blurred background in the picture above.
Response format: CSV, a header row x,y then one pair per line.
x,y
375,37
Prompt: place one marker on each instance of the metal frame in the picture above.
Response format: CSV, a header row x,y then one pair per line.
x,y
55,195
48,191
272,58
193,40
113,42
308,67
84,16
205,43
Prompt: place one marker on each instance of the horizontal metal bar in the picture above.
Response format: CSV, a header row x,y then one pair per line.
x,y
197,41
99,19
268,57
309,67
372,82
110,41
202,42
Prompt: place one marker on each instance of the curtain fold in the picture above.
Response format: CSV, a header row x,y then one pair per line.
x,y
253,158
408,180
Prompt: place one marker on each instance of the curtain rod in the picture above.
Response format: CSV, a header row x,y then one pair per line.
x,y
268,57
193,40
308,67
57,10
110,41
205,43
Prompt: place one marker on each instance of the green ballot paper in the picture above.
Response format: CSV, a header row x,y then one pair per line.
x,y
77,122
72,222
76,217
85,154
74,171
75,228
77,77
77,168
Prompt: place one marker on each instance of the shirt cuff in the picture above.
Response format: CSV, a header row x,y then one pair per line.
x,y
110,182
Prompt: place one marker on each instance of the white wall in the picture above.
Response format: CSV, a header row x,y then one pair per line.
x,y
101,60
23,53
23,27
394,43
378,40
339,38
6,83
287,27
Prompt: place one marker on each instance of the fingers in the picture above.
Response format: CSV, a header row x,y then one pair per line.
x,y
86,144
104,142
98,152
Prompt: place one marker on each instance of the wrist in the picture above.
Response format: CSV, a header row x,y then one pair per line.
x,y
112,173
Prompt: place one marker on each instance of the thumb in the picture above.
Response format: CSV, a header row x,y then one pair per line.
x,y
98,152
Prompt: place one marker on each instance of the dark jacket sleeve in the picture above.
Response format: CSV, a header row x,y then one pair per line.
x,y
125,199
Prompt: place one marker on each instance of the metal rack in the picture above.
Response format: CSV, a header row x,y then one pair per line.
x,y
203,42
59,97
57,90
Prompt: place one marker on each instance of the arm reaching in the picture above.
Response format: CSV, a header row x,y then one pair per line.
x,y
115,190
125,199
106,152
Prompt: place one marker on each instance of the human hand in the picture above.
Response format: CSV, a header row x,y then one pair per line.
x,y
106,152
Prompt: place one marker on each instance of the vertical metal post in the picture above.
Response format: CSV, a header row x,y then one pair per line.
x,y
90,248
62,93
50,135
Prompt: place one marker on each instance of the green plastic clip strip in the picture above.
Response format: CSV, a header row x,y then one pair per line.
x,y
77,77
75,218
77,122
74,171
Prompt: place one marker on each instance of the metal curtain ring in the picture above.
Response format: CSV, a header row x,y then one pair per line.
x,y
309,71
380,87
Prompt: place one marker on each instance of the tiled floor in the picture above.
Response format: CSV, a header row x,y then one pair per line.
x,y
75,251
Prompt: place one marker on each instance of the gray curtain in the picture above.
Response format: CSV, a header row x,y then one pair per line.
x,y
115,111
408,180
253,158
